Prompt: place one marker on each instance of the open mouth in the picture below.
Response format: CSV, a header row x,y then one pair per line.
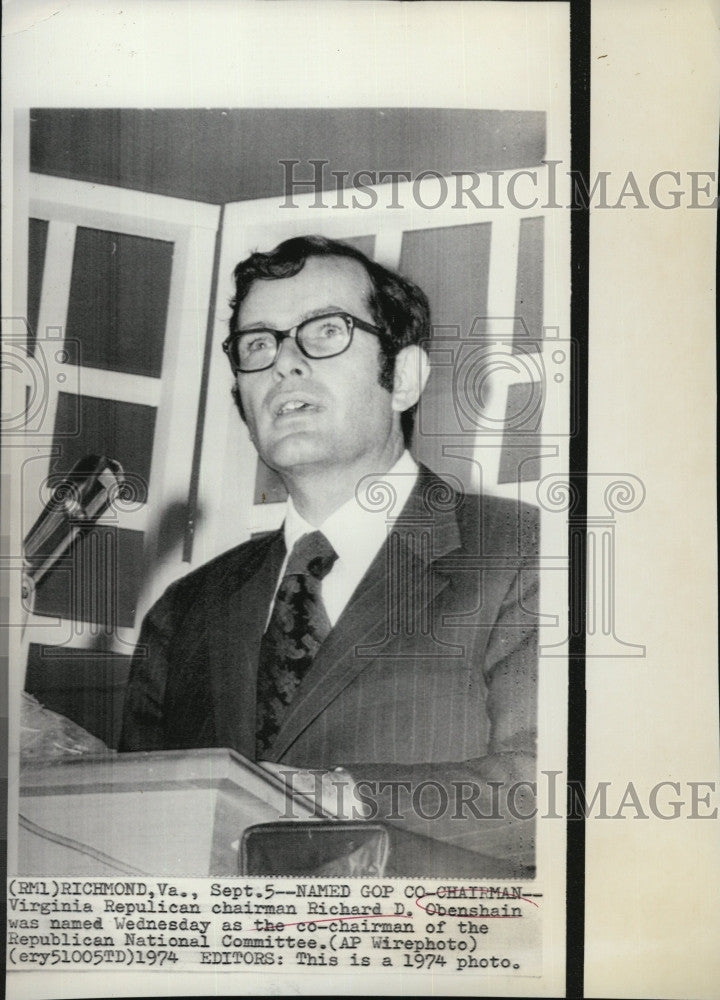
x,y
293,406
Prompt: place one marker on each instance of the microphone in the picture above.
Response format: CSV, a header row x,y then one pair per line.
x,y
78,500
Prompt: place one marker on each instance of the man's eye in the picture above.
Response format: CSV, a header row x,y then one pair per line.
x,y
328,330
259,343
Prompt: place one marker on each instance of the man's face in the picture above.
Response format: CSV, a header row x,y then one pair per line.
x,y
346,420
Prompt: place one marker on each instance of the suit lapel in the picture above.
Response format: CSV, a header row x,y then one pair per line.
x,y
235,644
419,538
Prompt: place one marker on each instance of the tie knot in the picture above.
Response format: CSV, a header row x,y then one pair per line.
x,y
312,554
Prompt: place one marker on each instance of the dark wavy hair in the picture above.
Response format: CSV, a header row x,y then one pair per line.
x,y
397,305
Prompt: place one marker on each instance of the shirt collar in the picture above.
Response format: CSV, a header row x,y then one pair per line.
x,y
365,518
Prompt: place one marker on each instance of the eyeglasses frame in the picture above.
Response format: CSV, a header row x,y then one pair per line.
x,y
281,335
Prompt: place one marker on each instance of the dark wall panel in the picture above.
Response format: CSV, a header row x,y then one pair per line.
x,y
528,331
87,686
118,302
222,155
37,244
98,581
91,425
451,265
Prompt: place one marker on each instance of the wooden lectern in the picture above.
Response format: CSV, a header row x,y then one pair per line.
x,y
184,813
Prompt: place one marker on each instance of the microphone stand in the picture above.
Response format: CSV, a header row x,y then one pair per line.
x,y
80,498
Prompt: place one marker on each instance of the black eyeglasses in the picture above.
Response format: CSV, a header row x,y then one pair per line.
x,y
323,336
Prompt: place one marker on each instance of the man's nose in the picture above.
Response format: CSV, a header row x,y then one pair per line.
x,y
289,359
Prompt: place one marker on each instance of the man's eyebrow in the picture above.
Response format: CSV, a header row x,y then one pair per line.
x,y
328,310
324,311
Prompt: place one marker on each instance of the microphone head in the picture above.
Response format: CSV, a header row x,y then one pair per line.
x,y
79,498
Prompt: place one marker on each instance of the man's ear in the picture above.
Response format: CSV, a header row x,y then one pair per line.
x,y
412,368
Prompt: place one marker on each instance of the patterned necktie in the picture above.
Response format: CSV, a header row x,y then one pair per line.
x,y
298,626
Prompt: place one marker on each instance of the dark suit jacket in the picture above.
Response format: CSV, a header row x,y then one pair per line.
x,y
427,679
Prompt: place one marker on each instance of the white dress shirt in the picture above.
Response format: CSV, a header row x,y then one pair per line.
x,y
356,531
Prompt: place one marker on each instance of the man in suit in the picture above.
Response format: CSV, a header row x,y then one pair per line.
x,y
388,629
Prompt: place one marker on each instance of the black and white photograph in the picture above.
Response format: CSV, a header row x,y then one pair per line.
x,y
308,376
288,514
305,549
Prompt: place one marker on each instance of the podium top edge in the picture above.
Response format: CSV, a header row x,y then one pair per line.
x,y
209,767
